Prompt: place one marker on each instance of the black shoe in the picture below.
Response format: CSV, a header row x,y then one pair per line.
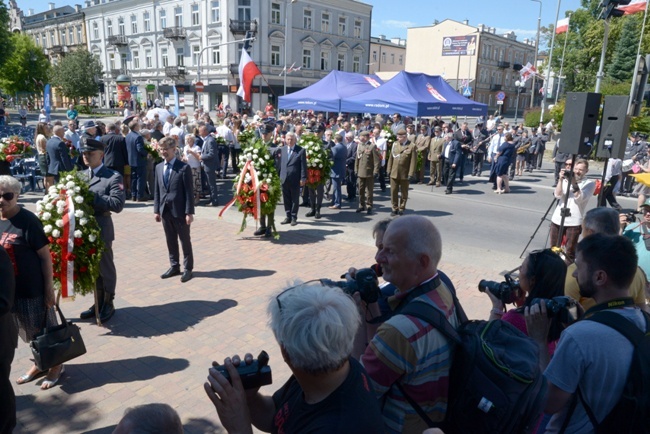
x,y
285,221
401,213
260,231
187,275
268,233
361,209
369,211
317,213
447,191
393,213
87,314
107,311
311,213
294,222
173,271
306,204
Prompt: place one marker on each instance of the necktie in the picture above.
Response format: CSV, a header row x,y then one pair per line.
x,y
92,173
168,170
289,154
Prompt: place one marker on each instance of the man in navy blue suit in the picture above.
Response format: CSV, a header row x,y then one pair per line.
x,y
138,161
293,175
452,155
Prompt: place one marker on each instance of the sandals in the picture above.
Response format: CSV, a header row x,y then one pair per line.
x,y
48,384
27,378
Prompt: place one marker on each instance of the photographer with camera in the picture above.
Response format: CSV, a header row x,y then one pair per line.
x,y
329,391
581,190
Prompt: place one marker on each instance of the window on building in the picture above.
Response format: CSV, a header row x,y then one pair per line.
x,y
178,16
374,55
195,55
120,26
216,56
195,15
111,61
342,25
214,11
163,18
180,55
356,63
306,58
148,61
147,21
95,31
63,38
52,38
135,56
134,25
79,36
275,55
244,10
164,57
275,13
325,22
37,39
392,58
71,36
401,59
306,19
324,60
357,28
109,27
383,57
340,62
123,59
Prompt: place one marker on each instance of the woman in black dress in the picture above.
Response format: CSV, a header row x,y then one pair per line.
x,y
23,237
504,156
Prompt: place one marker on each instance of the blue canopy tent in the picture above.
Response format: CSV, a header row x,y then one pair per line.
x,y
414,94
326,94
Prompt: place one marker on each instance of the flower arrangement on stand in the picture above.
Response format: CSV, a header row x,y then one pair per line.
x,y
75,238
318,160
14,147
257,189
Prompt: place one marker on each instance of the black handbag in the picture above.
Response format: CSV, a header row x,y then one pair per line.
x,y
58,344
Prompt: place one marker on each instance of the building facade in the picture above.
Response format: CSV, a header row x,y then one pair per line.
x,y
475,60
386,55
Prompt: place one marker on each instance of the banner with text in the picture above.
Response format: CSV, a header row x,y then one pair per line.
x,y
458,45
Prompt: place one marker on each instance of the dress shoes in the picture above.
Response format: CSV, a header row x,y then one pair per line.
x,y
260,231
268,233
294,222
87,314
187,275
393,213
311,213
369,211
107,312
285,221
361,209
317,213
447,191
173,271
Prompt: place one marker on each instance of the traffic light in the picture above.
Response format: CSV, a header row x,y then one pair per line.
x,y
610,8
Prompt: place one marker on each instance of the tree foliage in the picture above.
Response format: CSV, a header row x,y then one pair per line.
x,y
26,68
5,34
622,66
76,73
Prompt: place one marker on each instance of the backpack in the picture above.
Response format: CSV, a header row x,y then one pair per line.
x,y
495,383
631,414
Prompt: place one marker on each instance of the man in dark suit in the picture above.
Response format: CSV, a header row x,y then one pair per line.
x,y
337,173
157,131
107,187
115,154
173,204
452,154
57,152
463,136
8,341
209,154
293,175
351,177
137,161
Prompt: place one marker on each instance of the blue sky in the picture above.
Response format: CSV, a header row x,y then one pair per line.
x,y
392,18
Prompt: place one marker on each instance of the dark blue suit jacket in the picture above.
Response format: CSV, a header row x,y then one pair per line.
x,y
178,196
59,158
293,170
136,150
339,155
209,153
455,152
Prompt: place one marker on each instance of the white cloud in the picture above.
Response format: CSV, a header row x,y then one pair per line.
x,y
519,32
397,24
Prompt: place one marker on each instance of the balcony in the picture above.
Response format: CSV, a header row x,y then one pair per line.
x,y
175,71
117,72
495,87
502,64
118,40
56,49
175,33
239,27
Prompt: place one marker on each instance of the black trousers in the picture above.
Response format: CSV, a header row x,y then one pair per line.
x,y
107,279
351,184
450,175
291,199
178,229
316,196
608,196
478,163
7,396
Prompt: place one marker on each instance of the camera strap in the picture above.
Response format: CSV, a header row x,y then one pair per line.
x,y
616,303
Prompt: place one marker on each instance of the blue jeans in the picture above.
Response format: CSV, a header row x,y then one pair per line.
x,y
138,181
336,186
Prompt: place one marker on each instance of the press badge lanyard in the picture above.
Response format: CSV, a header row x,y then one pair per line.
x,y
617,303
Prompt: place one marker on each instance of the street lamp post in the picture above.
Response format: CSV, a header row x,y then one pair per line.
x,y
286,39
539,22
520,85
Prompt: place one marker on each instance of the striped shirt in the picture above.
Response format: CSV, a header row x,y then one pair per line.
x,y
411,351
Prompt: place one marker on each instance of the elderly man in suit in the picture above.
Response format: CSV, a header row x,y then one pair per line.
x,y
293,175
57,152
210,160
337,172
452,155
107,187
402,161
435,162
366,166
173,204
116,157
138,161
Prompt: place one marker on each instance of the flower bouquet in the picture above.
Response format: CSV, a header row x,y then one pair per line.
x,y
257,188
72,151
218,139
14,147
318,161
390,137
153,149
246,136
75,238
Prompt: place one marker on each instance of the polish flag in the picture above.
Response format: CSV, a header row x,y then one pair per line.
x,y
248,70
634,7
562,26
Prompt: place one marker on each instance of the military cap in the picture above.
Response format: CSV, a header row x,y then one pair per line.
x,y
89,145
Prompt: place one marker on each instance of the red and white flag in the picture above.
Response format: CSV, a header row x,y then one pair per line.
x,y
634,7
527,71
248,70
562,26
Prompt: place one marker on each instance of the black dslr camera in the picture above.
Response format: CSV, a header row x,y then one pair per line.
x,y
508,292
253,376
365,283
564,308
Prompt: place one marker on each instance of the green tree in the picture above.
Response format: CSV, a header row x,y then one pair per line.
x,y
5,34
24,67
622,65
75,75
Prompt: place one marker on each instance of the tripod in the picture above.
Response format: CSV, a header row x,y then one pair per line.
x,y
541,222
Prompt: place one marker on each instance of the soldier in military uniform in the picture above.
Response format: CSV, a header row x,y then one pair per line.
x,y
108,187
366,165
267,221
435,163
402,160
422,142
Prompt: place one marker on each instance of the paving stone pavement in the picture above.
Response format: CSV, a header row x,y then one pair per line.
x,y
164,335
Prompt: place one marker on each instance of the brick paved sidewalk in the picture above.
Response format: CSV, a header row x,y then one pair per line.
x,y
164,335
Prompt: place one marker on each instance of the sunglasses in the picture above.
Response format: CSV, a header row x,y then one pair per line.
x,y
277,297
8,196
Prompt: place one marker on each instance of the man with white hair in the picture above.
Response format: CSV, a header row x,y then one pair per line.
x,y
328,391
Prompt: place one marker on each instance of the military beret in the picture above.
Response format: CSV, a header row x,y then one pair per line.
x,y
437,129
89,145
364,134
401,131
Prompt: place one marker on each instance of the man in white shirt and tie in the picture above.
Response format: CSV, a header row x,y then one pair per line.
x,y
493,148
293,175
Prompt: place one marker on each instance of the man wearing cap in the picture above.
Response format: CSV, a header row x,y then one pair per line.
x,y
57,152
435,162
422,143
138,162
107,187
402,161
366,166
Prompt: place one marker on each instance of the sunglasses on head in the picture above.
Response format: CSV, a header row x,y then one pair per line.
x,y
8,196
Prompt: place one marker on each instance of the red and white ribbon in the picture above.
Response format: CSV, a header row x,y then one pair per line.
x,y
67,267
249,168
